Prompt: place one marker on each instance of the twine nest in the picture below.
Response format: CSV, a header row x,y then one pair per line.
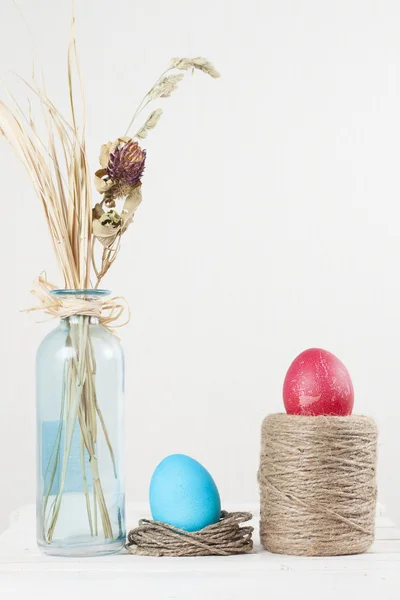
x,y
317,481
153,538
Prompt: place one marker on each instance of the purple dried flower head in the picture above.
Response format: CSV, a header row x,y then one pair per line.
x,y
126,164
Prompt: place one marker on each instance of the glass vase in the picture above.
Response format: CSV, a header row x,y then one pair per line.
x,y
80,436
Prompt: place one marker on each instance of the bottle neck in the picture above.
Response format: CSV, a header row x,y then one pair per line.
x,y
77,299
78,320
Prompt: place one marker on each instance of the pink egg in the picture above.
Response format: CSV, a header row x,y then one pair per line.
x,y
318,383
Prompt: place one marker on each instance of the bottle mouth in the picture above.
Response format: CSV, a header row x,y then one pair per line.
x,y
68,293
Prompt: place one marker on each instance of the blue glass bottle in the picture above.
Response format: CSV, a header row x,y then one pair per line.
x,y
80,435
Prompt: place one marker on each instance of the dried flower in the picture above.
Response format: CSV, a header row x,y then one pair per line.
x,y
166,84
165,87
126,164
200,63
110,219
116,192
109,148
109,226
102,185
123,162
149,124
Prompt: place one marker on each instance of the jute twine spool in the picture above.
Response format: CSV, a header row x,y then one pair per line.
x,y
317,481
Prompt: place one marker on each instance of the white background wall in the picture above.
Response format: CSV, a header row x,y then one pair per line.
x,y
270,221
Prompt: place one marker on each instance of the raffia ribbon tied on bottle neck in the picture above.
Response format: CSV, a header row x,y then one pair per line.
x,y
109,311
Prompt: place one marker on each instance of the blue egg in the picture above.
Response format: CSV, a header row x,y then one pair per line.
x,y
183,494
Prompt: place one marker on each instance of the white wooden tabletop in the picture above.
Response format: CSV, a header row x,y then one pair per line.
x,y
25,572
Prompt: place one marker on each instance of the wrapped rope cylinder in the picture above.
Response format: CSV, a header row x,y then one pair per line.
x,y
317,480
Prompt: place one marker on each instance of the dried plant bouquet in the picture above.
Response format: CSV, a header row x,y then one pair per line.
x,y
59,171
